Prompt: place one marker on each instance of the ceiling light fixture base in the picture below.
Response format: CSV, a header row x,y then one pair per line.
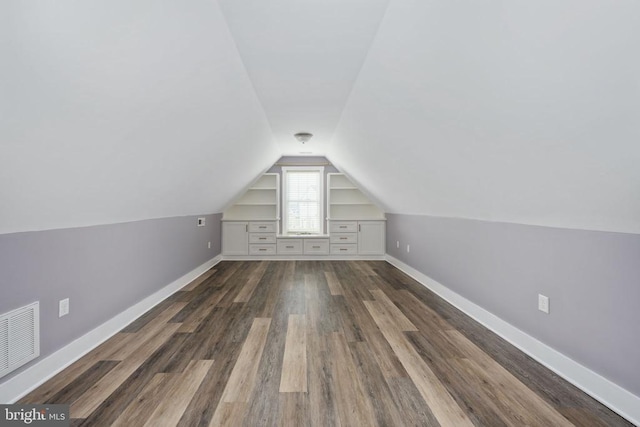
x,y
303,136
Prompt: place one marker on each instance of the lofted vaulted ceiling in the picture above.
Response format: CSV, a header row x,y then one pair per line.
x,y
303,58
118,110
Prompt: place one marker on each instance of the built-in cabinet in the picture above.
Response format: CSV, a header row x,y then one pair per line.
x,y
357,237
262,237
235,238
371,237
355,225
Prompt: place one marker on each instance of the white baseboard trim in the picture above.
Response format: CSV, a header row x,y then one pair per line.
x,y
608,393
32,377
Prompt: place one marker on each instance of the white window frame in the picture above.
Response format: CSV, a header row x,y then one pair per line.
x,y
285,195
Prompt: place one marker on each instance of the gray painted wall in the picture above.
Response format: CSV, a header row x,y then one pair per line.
x,y
102,269
592,279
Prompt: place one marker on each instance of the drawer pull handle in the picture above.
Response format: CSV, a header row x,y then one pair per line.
x,y
262,226
289,247
262,250
343,238
343,249
262,238
316,247
343,226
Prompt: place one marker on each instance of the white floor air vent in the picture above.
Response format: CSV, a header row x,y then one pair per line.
x,y
19,337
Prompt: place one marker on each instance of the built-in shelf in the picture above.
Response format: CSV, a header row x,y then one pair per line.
x,y
345,201
355,226
259,203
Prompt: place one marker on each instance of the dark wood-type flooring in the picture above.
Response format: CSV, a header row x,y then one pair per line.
x,y
318,343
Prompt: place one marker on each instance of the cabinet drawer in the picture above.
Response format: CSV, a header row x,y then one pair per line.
x,y
344,249
316,246
290,246
262,249
343,227
262,238
344,238
262,227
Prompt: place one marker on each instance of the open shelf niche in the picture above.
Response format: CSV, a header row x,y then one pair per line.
x,y
345,201
259,203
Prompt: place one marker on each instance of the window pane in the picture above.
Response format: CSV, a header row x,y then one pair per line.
x,y
303,201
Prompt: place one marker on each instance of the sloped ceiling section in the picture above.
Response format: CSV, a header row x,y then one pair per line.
x,y
524,112
118,110
303,57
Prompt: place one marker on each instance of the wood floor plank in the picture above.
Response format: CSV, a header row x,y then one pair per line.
x,y
178,395
204,403
443,406
199,280
130,344
193,320
229,414
251,283
507,386
139,410
294,365
471,393
292,409
349,319
268,379
53,386
276,274
313,343
242,379
149,316
581,417
414,409
322,410
354,406
396,314
334,284
420,313
385,410
243,375
81,384
92,398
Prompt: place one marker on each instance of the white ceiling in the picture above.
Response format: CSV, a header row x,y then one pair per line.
x,y
119,110
303,57
525,112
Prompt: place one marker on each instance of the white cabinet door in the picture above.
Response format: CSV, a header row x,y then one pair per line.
x,y
371,237
235,238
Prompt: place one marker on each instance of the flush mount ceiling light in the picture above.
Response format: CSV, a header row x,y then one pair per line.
x,y
303,136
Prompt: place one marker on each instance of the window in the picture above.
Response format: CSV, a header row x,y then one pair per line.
x,y
303,199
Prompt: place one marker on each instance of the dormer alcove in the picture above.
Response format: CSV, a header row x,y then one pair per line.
x,y
303,207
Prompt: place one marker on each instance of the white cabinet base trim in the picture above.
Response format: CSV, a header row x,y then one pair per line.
x,y
304,258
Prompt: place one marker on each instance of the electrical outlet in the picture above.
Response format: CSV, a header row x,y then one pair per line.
x,y
63,307
397,243
408,249
543,303
201,222
209,245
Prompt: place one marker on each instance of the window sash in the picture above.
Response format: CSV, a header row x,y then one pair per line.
x,y
303,199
